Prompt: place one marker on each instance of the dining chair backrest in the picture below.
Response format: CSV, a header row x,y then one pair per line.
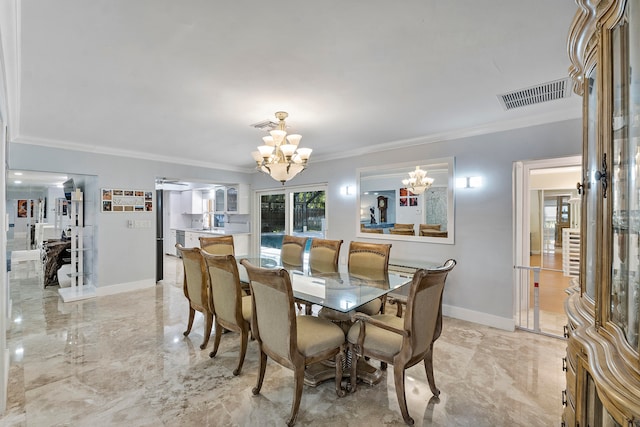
x,y
424,308
195,277
399,226
323,255
433,227
369,259
217,245
274,318
226,291
292,253
402,231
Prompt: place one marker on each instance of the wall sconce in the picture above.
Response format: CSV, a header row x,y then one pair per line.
x,y
469,182
348,190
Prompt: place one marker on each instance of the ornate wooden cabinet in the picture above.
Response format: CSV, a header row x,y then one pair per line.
x,y
603,362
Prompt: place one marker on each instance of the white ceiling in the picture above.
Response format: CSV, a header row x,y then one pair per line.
x,y
183,80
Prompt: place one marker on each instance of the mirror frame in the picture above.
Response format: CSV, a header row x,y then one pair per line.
x,y
409,166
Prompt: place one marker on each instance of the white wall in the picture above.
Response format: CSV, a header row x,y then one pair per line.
x,y
479,289
481,286
125,256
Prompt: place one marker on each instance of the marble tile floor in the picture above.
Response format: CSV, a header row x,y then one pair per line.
x,y
122,360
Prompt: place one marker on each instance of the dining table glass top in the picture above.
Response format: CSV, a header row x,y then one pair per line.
x,y
340,291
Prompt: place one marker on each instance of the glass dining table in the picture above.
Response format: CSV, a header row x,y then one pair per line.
x,y
341,292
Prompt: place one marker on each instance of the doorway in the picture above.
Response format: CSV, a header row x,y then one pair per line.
x,y
547,221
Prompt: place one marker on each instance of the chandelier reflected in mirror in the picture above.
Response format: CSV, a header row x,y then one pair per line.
x,y
418,181
280,157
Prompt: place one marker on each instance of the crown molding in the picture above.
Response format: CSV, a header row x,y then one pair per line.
x,y
87,148
495,127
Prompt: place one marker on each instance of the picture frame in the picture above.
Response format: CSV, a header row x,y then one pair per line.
x,y
126,200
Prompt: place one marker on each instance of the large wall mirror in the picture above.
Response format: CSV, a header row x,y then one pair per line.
x,y
393,207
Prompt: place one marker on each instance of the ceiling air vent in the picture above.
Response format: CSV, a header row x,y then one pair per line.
x,y
265,125
544,92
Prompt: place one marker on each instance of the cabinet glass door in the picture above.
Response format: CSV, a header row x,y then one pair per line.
x,y
220,200
625,176
591,166
232,199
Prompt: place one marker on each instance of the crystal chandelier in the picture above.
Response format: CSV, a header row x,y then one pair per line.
x,y
418,181
281,158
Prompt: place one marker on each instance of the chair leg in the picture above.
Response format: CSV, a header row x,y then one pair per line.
x,y
353,375
207,330
192,314
297,394
308,309
216,339
428,367
244,337
398,379
339,360
263,367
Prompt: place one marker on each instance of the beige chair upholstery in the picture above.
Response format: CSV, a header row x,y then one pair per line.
x,y
196,289
232,309
323,255
292,341
292,257
292,252
370,260
217,245
404,342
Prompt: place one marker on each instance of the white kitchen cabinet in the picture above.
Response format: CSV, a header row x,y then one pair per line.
x,y
170,242
237,199
191,239
192,202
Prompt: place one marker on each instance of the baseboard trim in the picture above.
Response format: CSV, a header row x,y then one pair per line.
x,y
124,287
479,317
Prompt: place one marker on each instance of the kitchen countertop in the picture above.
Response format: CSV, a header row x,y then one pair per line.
x,y
213,231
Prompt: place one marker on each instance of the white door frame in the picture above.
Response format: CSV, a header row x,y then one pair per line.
x,y
288,191
521,229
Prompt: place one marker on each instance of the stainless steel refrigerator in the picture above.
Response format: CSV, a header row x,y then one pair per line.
x,y
159,237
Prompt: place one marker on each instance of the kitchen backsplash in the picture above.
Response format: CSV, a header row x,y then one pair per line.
x,y
231,223
237,224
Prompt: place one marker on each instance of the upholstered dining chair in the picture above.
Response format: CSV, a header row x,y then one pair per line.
x,y
196,289
292,252
432,230
400,226
292,257
370,260
291,341
323,255
402,231
323,258
217,245
404,342
372,230
232,309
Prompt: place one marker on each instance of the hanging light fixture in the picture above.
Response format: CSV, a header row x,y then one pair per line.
x,y
280,157
418,181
